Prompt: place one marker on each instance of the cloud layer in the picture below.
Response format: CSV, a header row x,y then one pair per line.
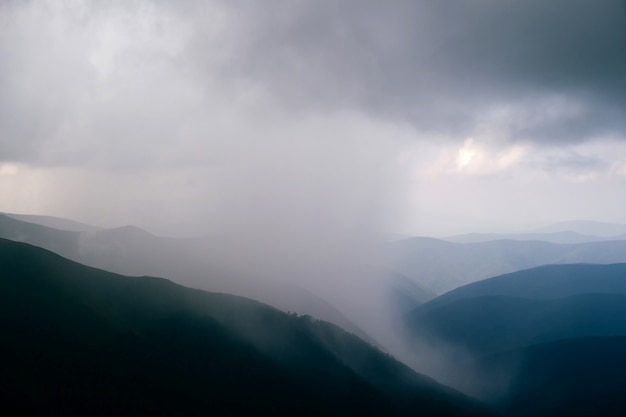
x,y
184,106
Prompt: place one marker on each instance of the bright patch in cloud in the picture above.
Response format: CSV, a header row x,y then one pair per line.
x,y
9,169
467,154
473,158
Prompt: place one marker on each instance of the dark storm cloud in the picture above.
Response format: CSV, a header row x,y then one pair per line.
x,y
574,163
440,64
549,72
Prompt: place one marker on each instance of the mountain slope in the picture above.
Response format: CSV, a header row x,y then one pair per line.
x,y
83,341
515,310
487,325
54,222
528,341
573,377
544,282
132,251
405,294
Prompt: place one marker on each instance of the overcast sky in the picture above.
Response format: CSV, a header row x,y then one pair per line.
x,y
424,117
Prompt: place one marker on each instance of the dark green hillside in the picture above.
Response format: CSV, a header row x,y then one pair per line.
x,y
485,325
80,341
537,305
549,341
583,377
545,282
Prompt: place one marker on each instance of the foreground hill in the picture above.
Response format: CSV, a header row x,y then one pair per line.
x,y
82,341
488,325
582,377
545,341
442,266
519,309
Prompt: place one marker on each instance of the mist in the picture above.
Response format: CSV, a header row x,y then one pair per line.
x,y
311,209
271,150
151,123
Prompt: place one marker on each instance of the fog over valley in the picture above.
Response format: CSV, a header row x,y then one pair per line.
x,y
317,207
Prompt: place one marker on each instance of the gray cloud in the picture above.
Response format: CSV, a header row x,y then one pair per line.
x,y
574,163
201,91
556,68
439,65
153,121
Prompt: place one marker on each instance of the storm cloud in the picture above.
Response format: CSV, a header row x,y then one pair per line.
x,y
213,100
547,72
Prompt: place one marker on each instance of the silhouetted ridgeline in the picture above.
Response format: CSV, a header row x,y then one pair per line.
x,y
547,341
129,250
81,341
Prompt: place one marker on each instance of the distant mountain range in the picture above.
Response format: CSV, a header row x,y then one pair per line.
x,y
554,237
441,266
54,222
580,231
586,227
82,341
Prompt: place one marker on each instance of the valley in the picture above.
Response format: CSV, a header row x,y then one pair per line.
x,y
496,340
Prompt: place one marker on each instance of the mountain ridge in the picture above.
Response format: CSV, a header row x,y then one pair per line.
x,y
129,250
442,266
79,316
